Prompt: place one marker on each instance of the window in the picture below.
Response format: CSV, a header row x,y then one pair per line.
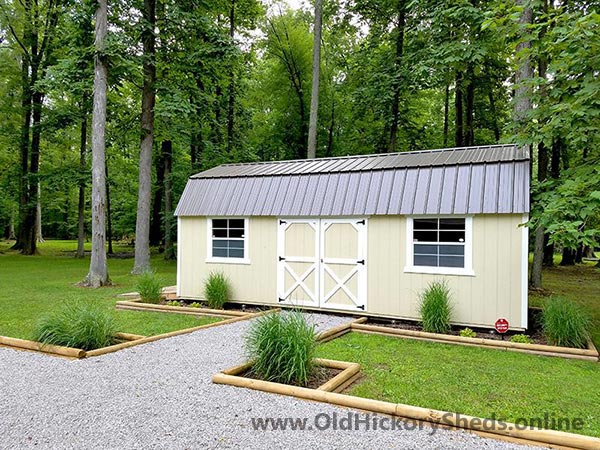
x,y
228,238
439,245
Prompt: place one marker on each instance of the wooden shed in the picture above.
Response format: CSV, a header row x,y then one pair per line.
x,y
364,234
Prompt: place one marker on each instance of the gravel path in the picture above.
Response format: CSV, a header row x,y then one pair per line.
x,y
159,395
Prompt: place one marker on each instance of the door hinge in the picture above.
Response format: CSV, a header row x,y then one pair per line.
x,y
361,307
281,299
281,222
362,261
281,258
362,222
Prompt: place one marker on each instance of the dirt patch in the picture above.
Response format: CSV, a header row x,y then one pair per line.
x,y
319,377
534,332
200,305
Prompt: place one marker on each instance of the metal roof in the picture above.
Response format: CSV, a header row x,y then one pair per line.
x,y
469,180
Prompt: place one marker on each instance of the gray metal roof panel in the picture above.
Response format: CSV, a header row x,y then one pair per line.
x,y
451,156
331,187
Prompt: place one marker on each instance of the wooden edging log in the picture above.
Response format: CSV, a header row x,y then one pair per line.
x,y
348,371
137,305
338,331
589,354
59,350
131,340
114,348
502,430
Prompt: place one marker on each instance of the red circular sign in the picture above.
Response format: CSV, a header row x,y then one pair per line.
x,y
501,325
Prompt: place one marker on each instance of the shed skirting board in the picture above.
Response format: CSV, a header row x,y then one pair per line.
x,y
494,290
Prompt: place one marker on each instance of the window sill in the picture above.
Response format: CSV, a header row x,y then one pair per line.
x,y
439,271
243,261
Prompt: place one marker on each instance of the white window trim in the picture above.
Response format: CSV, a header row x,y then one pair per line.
x,y
221,260
466,271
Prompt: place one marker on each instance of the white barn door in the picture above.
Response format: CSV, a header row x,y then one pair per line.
x,y
343,271
298,261
322,263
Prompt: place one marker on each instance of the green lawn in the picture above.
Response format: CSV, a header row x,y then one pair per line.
x,y
35,285
580,283
472,381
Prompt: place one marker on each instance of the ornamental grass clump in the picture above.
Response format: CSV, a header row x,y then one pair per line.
x,y
435,308
282,346
565,323
216,290
78,325
149,288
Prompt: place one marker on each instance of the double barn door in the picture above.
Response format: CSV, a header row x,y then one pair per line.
x,y
322,263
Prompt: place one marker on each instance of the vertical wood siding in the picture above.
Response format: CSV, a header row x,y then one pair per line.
x,y
495,290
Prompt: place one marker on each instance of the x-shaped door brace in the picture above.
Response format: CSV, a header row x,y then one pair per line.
x,y
299,281
340,284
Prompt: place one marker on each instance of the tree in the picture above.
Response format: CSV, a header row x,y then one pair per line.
x,y
36,44
142,228
98,274
316,73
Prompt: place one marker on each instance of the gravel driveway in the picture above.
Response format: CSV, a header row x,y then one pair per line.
x,y
160,395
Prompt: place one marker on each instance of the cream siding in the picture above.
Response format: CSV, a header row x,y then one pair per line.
x,y
254,282
495,290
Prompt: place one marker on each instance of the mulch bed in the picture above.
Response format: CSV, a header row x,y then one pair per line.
x,y
320,376
534,332
228,306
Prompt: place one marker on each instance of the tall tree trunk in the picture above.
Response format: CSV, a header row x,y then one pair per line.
x,y
522,103
167,156
24,150
81,201
29,232
39,237
316,74
142,226
11,228
458,110
579,254
542,163
109,232
231,100
568,257
197,143
98,274
446,111
156,221
329,151
495,126
469,108
524,73
216,132
301,152
400,29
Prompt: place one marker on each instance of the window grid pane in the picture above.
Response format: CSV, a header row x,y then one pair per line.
x,y
439,242
228,238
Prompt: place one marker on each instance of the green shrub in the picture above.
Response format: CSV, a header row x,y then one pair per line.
x,y
149,288
79,325
282,346
467,332
173,303
435,308
216,290
565,323
196,305
521,339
